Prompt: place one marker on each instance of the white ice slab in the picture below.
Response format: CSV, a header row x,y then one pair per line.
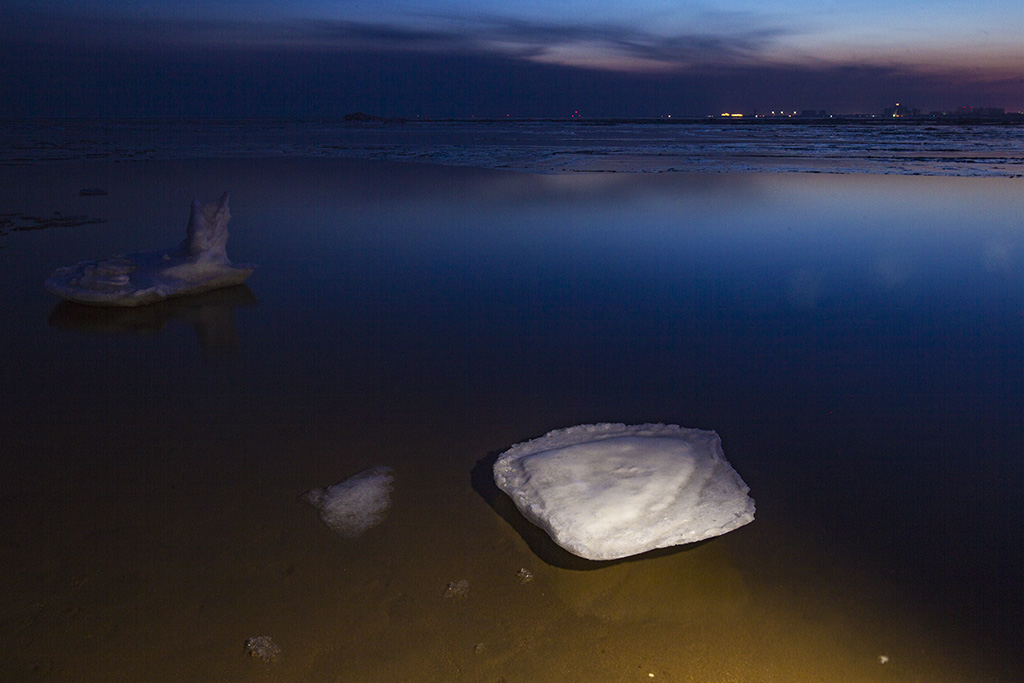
x,y
607,491
356,504
200,263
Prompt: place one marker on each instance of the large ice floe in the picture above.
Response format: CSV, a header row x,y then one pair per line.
x,y
607,491
355,505
200,263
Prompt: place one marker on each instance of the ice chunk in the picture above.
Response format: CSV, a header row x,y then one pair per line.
x,y
263,648
456,589
356,504
606,491
199,264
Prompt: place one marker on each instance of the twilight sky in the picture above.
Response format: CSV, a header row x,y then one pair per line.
x,y
439,58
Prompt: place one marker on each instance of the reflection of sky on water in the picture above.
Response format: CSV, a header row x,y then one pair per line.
x,y
624,277
611,287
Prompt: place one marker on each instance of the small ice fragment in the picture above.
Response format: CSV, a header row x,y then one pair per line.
x,y
883,659
263,648
456,589
360,502
524,575
607,491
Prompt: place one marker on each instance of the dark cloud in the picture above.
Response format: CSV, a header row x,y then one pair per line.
x,y
482,35
535,37
154,69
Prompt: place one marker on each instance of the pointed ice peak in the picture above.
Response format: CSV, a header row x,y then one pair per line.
x,y
207,231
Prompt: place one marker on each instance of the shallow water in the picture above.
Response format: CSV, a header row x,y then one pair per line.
x,y
857,342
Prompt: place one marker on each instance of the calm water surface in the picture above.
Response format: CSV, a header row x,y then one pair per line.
x,y
857,341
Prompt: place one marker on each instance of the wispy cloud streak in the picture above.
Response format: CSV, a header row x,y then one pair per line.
x,y
709,43
600,46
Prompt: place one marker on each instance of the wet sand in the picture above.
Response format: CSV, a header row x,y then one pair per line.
x,y
151,468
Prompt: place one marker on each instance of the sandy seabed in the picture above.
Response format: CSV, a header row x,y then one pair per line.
x,y
152,468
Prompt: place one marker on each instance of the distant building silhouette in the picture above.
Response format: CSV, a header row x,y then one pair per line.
x,y
900,111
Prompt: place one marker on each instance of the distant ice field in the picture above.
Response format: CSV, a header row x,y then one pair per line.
x,y
875,147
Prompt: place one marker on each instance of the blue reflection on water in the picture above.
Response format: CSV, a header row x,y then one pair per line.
x,y
851,285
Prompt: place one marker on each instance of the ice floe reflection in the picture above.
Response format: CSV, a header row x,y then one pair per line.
x,y
211,314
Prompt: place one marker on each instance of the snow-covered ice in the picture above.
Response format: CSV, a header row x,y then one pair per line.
x,y
607,491
200,263
360,502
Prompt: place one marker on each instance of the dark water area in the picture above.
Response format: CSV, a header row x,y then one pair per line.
x,y
857,342
951,148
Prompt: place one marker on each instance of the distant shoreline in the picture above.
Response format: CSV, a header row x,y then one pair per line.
x,y
1010,118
